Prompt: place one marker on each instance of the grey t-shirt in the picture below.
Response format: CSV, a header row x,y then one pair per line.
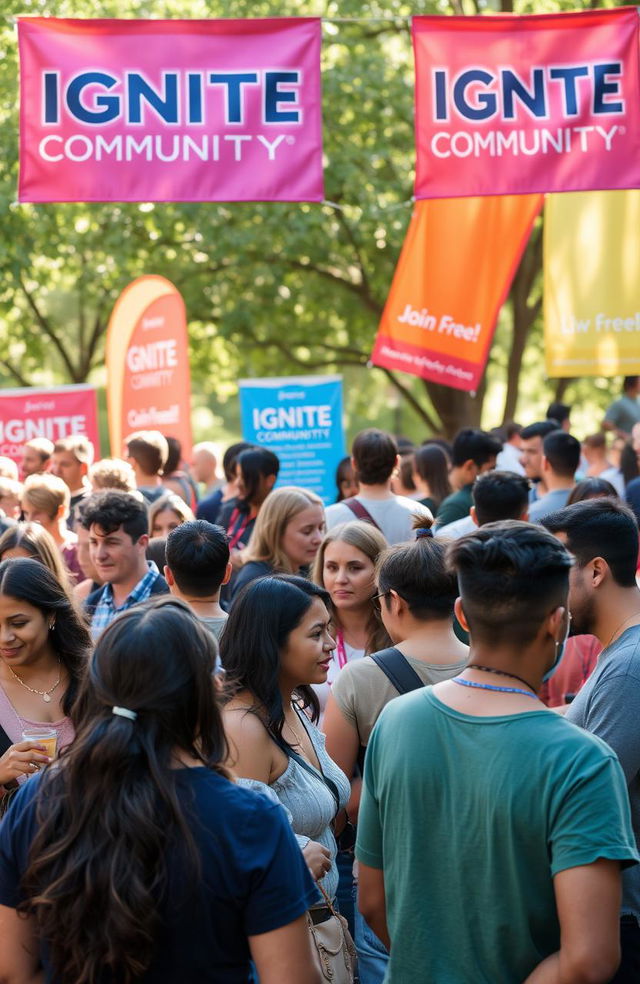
x,y
394,516
609,706
624,413
215,624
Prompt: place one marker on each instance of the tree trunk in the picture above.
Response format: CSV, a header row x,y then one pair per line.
x,y
561,388
524,313
456,408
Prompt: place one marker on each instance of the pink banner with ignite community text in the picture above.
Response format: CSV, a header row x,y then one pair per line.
x,y
513,105
159,110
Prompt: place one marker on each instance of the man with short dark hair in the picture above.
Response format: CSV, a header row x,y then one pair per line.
x,y
147,453
531,439
211,507
71,459
474,452
624,412
560,413
197,566
118,536
374,456
500,495
560,460
602,535
512,824
497,495
36,456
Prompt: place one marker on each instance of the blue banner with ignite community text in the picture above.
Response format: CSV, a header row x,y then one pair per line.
x,y
299,418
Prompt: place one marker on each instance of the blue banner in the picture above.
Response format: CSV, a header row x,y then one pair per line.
x,y
299,418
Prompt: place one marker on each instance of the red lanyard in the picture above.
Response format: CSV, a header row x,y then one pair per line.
x,y
235,537
341,652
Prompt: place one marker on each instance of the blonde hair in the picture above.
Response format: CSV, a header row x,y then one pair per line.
x,y
366,538
40,545
8,468
173,502
10,489
47,493
113,473
277,511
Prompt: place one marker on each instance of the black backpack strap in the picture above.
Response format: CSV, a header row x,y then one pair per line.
x,y
397,669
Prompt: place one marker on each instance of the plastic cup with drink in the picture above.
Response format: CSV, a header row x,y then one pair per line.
x,y
45,736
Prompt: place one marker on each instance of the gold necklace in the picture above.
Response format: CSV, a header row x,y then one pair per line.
x,y
45,694
635,615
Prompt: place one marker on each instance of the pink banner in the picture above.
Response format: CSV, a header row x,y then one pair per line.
x,y
513,105
51,413
216,110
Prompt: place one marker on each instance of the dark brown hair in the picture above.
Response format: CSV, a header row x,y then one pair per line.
x,y
109,815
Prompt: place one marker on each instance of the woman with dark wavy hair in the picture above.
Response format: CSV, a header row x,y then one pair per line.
x,y
136,859
44,647
276,643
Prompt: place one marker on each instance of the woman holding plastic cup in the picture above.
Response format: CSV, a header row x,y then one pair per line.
x,y
44,646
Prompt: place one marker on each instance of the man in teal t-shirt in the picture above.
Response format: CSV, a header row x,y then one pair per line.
x,y
491,831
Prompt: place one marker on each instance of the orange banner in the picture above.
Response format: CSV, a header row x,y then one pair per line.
x,y
148,377
453,275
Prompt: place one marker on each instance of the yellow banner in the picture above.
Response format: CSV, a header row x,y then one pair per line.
x,y
592,283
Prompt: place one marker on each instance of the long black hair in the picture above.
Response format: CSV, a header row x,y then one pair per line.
x,y
29,580
110,813
263,616
431,464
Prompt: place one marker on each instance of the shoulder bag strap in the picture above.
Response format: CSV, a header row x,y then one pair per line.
x,y
359,511
398,670
289,752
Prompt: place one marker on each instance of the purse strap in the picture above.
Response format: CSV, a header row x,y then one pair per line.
x,y
319,774
397,668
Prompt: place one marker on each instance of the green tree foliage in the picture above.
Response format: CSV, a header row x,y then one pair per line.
x,y
269,288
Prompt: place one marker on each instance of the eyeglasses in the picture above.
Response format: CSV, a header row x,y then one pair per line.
x,y
376,603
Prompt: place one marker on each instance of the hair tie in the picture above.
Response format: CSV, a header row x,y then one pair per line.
x,y
423,531
124,712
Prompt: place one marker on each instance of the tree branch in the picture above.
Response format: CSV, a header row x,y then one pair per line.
x,y
15,373
357,289
411,400
48,330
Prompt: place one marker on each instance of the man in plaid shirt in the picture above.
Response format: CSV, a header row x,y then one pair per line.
x,y
118,528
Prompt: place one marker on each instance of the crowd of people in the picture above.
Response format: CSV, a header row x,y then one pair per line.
x,y
249,737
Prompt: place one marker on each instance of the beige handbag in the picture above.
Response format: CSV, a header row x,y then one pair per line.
x,y
333,950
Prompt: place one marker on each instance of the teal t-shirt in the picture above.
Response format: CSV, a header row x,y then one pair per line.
x,y
470,818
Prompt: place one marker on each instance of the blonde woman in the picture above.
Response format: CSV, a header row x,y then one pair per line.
x,y
46,500
112,473
32,540
167,513
286,537
346,567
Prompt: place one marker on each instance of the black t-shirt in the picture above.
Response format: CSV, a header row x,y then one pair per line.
x,y
254,879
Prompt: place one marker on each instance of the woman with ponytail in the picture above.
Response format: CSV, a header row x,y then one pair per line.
x,y
416,594
135,858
